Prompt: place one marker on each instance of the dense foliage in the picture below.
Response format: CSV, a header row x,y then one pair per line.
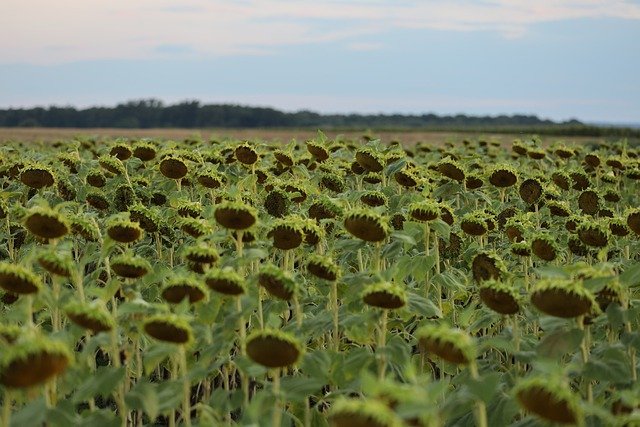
x,y
332,282
153,114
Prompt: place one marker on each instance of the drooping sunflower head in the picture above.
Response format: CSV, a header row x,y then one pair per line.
x,y
246,154
488,265
37,176
366,225
225,281
451,344
362,413
130,266
173,167
93,316
33,360
46,223
424,211
181,286
112,164
503,176
501,297
323,267
545,246
17,279
548,398
277,282
56,262
287,233
384,295
273,348
121,229
235,215
370,159
451,169
170,328
565,298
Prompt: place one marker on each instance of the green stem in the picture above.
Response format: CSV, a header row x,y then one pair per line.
x,y
243,334
29,311
584,349
6,408
481,409
9,239
298,310
382,342
334,309
427,233
277,411
186,388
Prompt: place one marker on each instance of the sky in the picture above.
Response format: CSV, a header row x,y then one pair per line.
x,y
558,59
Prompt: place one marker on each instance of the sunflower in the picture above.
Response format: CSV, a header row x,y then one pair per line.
x,y
549,399
273,348
564,298
366,225
452,345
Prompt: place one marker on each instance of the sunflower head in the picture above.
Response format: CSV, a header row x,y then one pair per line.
x,y
451,344
277,282
46,223
503,176
385,295
37,176
548,398
169,328
501,297
360,413
56,262
565,298
367,225
93,316
33,360
424,211
179,287
273,348
17,279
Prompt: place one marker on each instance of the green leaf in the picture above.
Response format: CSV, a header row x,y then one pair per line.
x,y
169,395
421,265
100,418
615,315
298,388
144,397
631,276
403,237
422,306
101,383
441,228
155,354
317,364
62,415
610,365
485,387
33,413
560,342
631,339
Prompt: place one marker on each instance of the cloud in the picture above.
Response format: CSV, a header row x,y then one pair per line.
x,y
124,29
364,46
173,49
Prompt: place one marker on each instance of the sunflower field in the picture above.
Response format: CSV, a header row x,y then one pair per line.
x,y
331,282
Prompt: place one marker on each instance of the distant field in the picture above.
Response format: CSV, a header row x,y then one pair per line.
x,y
407,137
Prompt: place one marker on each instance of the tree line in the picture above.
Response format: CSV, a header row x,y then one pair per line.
x,y
152,113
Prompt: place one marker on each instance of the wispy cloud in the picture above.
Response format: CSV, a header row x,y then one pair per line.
x,y
127,30
364,46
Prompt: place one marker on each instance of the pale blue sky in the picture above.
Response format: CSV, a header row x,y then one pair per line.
x,y
558,59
